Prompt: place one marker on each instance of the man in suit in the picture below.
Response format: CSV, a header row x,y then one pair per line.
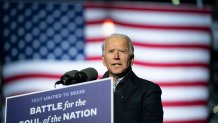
x,y
135,100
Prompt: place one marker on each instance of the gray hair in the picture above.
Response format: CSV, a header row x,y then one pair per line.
x,y
129,42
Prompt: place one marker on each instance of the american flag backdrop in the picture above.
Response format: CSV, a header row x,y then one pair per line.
x,y
42,41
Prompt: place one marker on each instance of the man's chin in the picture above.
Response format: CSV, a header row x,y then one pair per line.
x,y
116,74
119,73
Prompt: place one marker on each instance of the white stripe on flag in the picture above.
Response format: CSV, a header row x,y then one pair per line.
x,y
152,17
185,113
28,85
153,35
184,93
172,74
157,55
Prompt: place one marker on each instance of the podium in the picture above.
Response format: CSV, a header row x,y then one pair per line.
x,y
88,102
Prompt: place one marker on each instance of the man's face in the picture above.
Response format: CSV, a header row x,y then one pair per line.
x,y
117,56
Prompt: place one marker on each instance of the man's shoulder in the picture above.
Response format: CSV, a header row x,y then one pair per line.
x,y
143,83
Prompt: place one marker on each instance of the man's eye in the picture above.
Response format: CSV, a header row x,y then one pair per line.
x,y
110,51
123,51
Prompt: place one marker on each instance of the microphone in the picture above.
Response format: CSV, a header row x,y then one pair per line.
x,y
67,77
74,76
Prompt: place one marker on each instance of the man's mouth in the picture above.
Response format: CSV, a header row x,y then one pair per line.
x,y
116,64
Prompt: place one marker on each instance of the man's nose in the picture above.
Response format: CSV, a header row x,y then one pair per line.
x,y
116,55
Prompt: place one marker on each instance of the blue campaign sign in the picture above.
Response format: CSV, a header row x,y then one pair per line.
x,y
90,102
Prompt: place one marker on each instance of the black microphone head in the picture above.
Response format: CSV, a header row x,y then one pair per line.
x,y
67,77
71,73
75,76
91,73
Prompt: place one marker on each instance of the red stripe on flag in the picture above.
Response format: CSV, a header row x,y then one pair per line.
x,y
97,58
31,75
55,76
96,22
199,64
163,27
187,121
185,103
188,46
93,40
152,45
174,84
149,8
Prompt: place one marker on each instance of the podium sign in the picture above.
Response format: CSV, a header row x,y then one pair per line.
x,y
89,102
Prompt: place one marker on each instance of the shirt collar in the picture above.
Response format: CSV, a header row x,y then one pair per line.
x,y
117,82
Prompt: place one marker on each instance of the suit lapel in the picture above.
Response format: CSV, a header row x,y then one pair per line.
x,y
130,86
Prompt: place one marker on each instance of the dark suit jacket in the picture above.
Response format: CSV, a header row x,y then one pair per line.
x,y
137,100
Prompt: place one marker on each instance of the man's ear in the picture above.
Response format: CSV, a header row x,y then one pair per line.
x,y
103,60
132,59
